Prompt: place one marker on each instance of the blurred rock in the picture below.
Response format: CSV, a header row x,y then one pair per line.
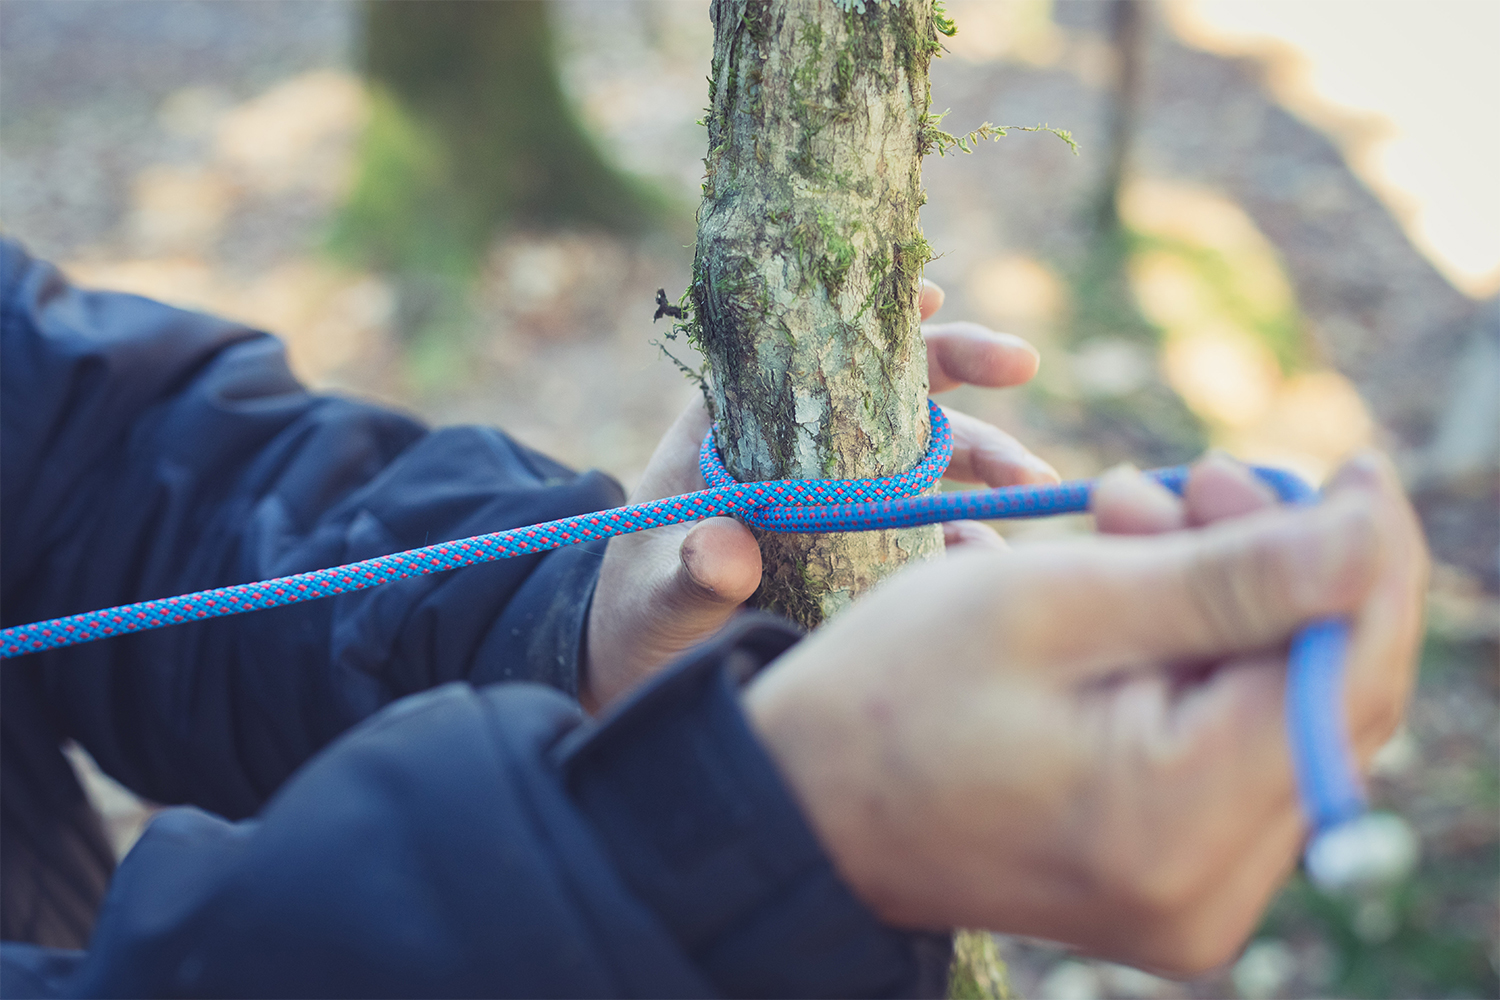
x,y
1071,981
1265,968
178,210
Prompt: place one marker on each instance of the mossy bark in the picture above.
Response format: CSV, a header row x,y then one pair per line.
x,y
808,267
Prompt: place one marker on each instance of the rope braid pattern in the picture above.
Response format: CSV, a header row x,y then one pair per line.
x,y
761,504
1330,790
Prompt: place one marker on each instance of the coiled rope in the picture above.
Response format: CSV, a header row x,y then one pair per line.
x,y
1330,791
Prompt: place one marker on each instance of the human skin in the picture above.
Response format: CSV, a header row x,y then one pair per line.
x,y
663,591
1084,741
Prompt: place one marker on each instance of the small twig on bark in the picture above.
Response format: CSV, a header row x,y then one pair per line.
x,y
665,308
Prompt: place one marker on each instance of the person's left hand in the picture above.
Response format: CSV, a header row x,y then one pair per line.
x,y
665,590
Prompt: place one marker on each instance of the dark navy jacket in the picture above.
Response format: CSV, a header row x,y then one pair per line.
x,y
473,838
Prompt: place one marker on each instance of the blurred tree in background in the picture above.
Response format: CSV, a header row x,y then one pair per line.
x,y
1147,422
470,131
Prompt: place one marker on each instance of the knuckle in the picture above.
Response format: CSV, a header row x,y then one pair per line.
x,y
1144,886
1159,895
1193,950
1165,905
1234,590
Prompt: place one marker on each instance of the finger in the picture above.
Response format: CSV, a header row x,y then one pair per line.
x,y
1124,502
669,589
972,536
1232,829
673,469
1388,628
968,354
1235,586
1204,786
1220,487
1208,932
983,453
1211,932
930,299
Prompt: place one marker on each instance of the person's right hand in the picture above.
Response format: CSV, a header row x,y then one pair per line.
x,y
1084,741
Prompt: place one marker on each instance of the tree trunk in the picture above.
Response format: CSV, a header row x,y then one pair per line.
x,y
1149,424
808,266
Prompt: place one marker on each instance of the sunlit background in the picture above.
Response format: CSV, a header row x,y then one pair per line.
x,y
1300,256
1411,96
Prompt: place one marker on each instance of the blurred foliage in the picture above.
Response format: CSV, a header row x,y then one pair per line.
x,y
1151,424
402,210
1445,657
1391,945
1274,321
471,131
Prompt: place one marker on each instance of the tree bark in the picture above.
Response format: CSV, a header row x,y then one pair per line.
x,y
808,267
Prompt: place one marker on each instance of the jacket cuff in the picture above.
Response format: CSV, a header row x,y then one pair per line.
x,y
700,825
541,638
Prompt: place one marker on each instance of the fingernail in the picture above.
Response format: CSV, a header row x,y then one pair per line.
x,y
1220,455
1114,478
1024,344
691,567
1364,470
1042,466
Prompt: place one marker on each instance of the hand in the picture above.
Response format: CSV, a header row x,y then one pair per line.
x,y
1084,741
663,591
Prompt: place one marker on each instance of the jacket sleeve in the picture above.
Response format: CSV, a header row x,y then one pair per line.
x,y
149,451
492,843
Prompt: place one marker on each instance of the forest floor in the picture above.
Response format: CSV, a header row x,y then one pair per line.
x,y
197,153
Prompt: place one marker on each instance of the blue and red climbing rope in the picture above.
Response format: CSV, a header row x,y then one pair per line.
x,y
1330,791
782,505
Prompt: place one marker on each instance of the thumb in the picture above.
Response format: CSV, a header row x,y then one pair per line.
x,y
661,592
1236,586
718,569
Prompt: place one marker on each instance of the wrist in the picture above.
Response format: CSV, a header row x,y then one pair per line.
x,y
814,736
726,860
